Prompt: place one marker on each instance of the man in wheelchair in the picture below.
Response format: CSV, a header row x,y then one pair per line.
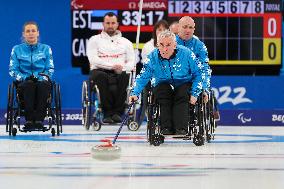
x,y
111,56
176,78
28,60
186,37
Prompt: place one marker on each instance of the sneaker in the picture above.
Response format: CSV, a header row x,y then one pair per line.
x,y
28,125
181,131
38,124
108,120
166,131
116,118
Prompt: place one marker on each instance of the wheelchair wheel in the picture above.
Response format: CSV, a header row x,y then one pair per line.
x,y
207,123
153,129
150,126
133,126
134,121
157,140
10,111
58,116
200,116
96,125
86,106
14,132
208,138
53,132
198,140
8,108
212,109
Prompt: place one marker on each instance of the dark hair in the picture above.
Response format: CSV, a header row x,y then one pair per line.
x,y
174,22
156,26
110,14
30,23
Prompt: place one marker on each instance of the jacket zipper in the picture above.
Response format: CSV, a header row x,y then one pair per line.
x,y
32,61
172,77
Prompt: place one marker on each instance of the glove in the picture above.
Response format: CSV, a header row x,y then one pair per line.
x,y
31,78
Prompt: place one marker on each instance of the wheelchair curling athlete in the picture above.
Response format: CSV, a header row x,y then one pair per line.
x,y
111,56
176,78
185,37
27,61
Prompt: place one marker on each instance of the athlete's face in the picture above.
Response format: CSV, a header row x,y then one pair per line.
x,y
166,47
110,25
160,29
31,34
186,28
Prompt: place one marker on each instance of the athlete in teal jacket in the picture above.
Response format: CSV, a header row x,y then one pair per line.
x,y
186,38
175,73
181,68
200,51
29,60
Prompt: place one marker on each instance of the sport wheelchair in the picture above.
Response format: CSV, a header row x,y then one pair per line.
x,y
201,126
92,108
15,110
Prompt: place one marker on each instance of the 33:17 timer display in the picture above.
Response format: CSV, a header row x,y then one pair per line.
x,y
148,18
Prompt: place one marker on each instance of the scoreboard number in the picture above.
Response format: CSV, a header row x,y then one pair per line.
x,y
216,7
272,38
272,27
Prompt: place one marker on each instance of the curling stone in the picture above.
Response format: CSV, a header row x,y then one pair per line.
x,y
106,152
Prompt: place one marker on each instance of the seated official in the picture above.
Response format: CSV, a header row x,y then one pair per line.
x,y
111,56
176,78
27,61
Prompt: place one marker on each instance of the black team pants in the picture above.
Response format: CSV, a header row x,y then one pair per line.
x,y
173,105
112,89
35,94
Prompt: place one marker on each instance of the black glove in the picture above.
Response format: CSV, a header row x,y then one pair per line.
x,y
31,78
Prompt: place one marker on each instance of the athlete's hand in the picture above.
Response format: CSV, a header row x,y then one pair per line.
x,y
132,99
192,100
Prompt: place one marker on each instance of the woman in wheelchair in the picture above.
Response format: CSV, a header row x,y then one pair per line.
x,y
176,75
31,67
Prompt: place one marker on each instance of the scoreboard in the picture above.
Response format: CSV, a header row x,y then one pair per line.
x,y
236,33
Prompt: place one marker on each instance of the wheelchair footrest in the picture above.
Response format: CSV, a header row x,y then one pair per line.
x,y
35,129
180,136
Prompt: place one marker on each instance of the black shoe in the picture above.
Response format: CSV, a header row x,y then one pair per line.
x,y
181,131
38,124
166,131
108,120
116,118
28,125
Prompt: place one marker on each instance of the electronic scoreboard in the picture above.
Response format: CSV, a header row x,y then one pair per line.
x,y
236,33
